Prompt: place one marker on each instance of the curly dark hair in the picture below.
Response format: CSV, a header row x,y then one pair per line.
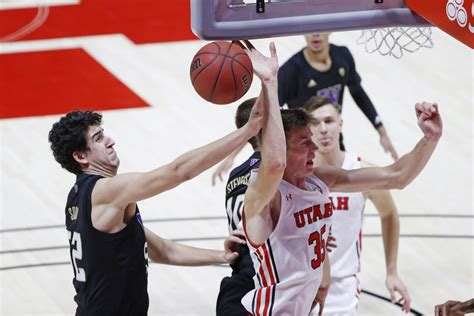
x,y
69,135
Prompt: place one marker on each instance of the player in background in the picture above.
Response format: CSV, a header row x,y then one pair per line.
x,y
455,308
325,69
348,211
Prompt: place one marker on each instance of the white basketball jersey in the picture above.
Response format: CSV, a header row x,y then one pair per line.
x,y
347,226
289,265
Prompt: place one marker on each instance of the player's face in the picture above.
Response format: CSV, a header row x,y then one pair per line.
x,y
327,129
101,154
300,152
317,42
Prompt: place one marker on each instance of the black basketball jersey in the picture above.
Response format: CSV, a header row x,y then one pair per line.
x,y
234,201
110,270
298,81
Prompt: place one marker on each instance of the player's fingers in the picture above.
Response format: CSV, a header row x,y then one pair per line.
x,y
331,242
321,307
249,45
239,43
418,109
406,307
236,239
444,310
232,256
273,52
429,108
458,306
238,232
392,295
394,153
437,310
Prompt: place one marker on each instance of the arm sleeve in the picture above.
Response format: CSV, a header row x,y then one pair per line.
x,y
360,96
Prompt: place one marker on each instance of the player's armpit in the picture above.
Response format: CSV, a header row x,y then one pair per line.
x,y
358,180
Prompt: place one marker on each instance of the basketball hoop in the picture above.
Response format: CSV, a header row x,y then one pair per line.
x,y
395,41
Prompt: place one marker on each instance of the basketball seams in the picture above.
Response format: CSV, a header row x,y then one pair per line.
x,y
235,81
250,72
217,54
204,68
219,72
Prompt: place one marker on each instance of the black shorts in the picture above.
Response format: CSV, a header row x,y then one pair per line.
x,y
231,292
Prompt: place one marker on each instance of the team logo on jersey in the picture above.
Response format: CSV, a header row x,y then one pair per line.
x,y
342,203
312,83
253,161
342,71
73,211
331,92
139,218
312,214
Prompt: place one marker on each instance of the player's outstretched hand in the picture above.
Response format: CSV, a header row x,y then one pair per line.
x,y
455,308
255,121
266,68
232,245
429,120
222,169
394,285
446,309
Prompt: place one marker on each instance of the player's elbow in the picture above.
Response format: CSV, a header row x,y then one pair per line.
x,y
277,165
181,172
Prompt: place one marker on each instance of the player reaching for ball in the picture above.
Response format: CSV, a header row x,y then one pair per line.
x,y
109,245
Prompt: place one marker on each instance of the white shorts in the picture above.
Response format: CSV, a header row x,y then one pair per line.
x,y
343,297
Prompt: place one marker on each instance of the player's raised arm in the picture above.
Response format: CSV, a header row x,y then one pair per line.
x,y
399,174
273,147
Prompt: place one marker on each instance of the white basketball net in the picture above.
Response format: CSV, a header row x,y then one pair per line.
x,y
394,41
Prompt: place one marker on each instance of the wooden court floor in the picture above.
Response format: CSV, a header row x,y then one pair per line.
x,y
436,246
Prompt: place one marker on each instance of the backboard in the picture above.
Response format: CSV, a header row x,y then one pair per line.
x,y
237,19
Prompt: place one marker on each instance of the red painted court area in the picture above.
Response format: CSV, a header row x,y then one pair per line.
x,y
142,21
54,82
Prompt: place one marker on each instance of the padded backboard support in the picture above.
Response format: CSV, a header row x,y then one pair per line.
x,y
232,19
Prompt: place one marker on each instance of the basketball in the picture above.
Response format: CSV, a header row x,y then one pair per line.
x,y
221,72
